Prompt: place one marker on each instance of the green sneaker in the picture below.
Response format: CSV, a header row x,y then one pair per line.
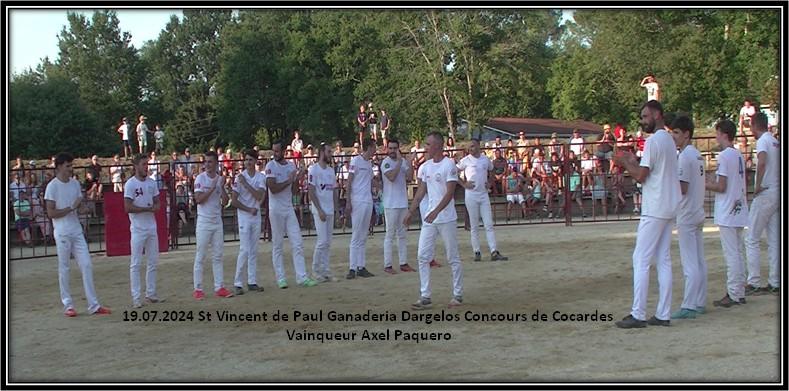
x,y
308,282
701,310
684,313
282,284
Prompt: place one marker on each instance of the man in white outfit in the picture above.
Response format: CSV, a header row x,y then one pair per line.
x,y
210,195
360,205
324,194
397,172
690,220
657,171
764,210
141,202
249,190
63,198
280,177
438,177
731,211
476,169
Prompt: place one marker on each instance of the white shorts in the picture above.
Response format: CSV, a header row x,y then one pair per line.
x,y
515,198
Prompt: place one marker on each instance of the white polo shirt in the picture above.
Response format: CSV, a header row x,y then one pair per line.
x,y
731,206
394,191
436,176
142,194
691,171
661,192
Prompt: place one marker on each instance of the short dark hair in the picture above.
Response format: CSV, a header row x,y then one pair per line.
x,y
367,144
437,135
251,152
727,127
277,142
393,140
654,106
473,139
669,118
138,158
759,120
63,157
211,154
683,123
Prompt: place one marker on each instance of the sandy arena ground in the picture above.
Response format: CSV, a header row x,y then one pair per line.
x,y
580,269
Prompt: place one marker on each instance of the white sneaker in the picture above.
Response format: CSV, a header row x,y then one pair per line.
x,y
455,302
137,304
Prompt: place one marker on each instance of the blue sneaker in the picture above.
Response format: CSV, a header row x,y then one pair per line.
x,y
701,310
684,313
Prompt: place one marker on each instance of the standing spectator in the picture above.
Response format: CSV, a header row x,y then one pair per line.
x,y
158,136
153,170
361,122
731,211
499,172
386,123
309,157
617,188
51,163
93,183
189,163
640,143
116,174
16,186
372,123
125,130
653,89
605,148
174,161
522,143
20,166
577,143
574,189
555,145
228,163
142,134
297,144
419,154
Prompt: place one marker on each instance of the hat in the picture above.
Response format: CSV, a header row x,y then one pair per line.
x,y
521,132
553,135
606,127
32,163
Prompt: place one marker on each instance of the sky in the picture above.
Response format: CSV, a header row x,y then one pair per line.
x,y
33,32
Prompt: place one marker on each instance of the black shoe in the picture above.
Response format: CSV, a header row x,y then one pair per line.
x,y
238,290
629,322
364,273
653,321
727,302
477,257
773,290
751,290
254,287
351,274
496,256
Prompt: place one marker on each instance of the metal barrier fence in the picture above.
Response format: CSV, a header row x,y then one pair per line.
x,y
600,197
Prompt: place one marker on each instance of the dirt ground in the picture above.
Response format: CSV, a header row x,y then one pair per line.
x,y
580,269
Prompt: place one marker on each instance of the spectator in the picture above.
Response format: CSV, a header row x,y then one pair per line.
x,y
125,130
522,143
617,188
577,143
40,219
574,189
419,156
19,166
640,142
338,157
361,123
587,168
557,170
555,145
116,174
449,150
227,162
747,111
653,89
492,146
513,163
153,169
183,203
499,172
599,188
174,161
22,217
189,164
537,146
93,181
372,124
142,134
181,178
32,184
605,148
158,136
356,149
51,162
297,145
386,123
513,188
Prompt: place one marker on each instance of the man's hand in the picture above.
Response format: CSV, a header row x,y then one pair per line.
x,y
348,207
469,184
322,215
242,180
407,219
624,157
76,203
431,216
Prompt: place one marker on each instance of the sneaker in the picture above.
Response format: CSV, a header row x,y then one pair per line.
x,y
406,268
364,273
496,256
701,310
238,290
422,304
351,274
390,270
653,321
136,304
751,290
308,282
254,288
456,301
70,313
102,311
727,302
434,263
773,290
321,279
684,313
636,211
477,256
629,322
550,215
282,284
154,299
198,294
222,292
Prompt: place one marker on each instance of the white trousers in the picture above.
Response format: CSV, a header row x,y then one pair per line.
x,y
324,230
209,234
395,229
75,244
764,214
248,234
427,250
478,205
361,214
732,243
653,242
694,267
147,240
285,222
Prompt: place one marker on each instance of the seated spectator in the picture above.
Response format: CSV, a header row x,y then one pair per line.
x,y
153,169
605,149
116,174
513,187
22,217
587,168
499,172
617,188
95,170
41,220
599,190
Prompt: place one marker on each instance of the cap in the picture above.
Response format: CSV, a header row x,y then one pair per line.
x,y
553,135
521,132
32,163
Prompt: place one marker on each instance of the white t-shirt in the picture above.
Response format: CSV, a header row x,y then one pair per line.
x,y
258,182
116,173
748,112
282,201
661,192
124,131
476,170
769,145
153,169
577,145
652,89
64,195
436,176
211,209
588,163
361,186
297,144
142,194
394,191
731,206
691,171
325,181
